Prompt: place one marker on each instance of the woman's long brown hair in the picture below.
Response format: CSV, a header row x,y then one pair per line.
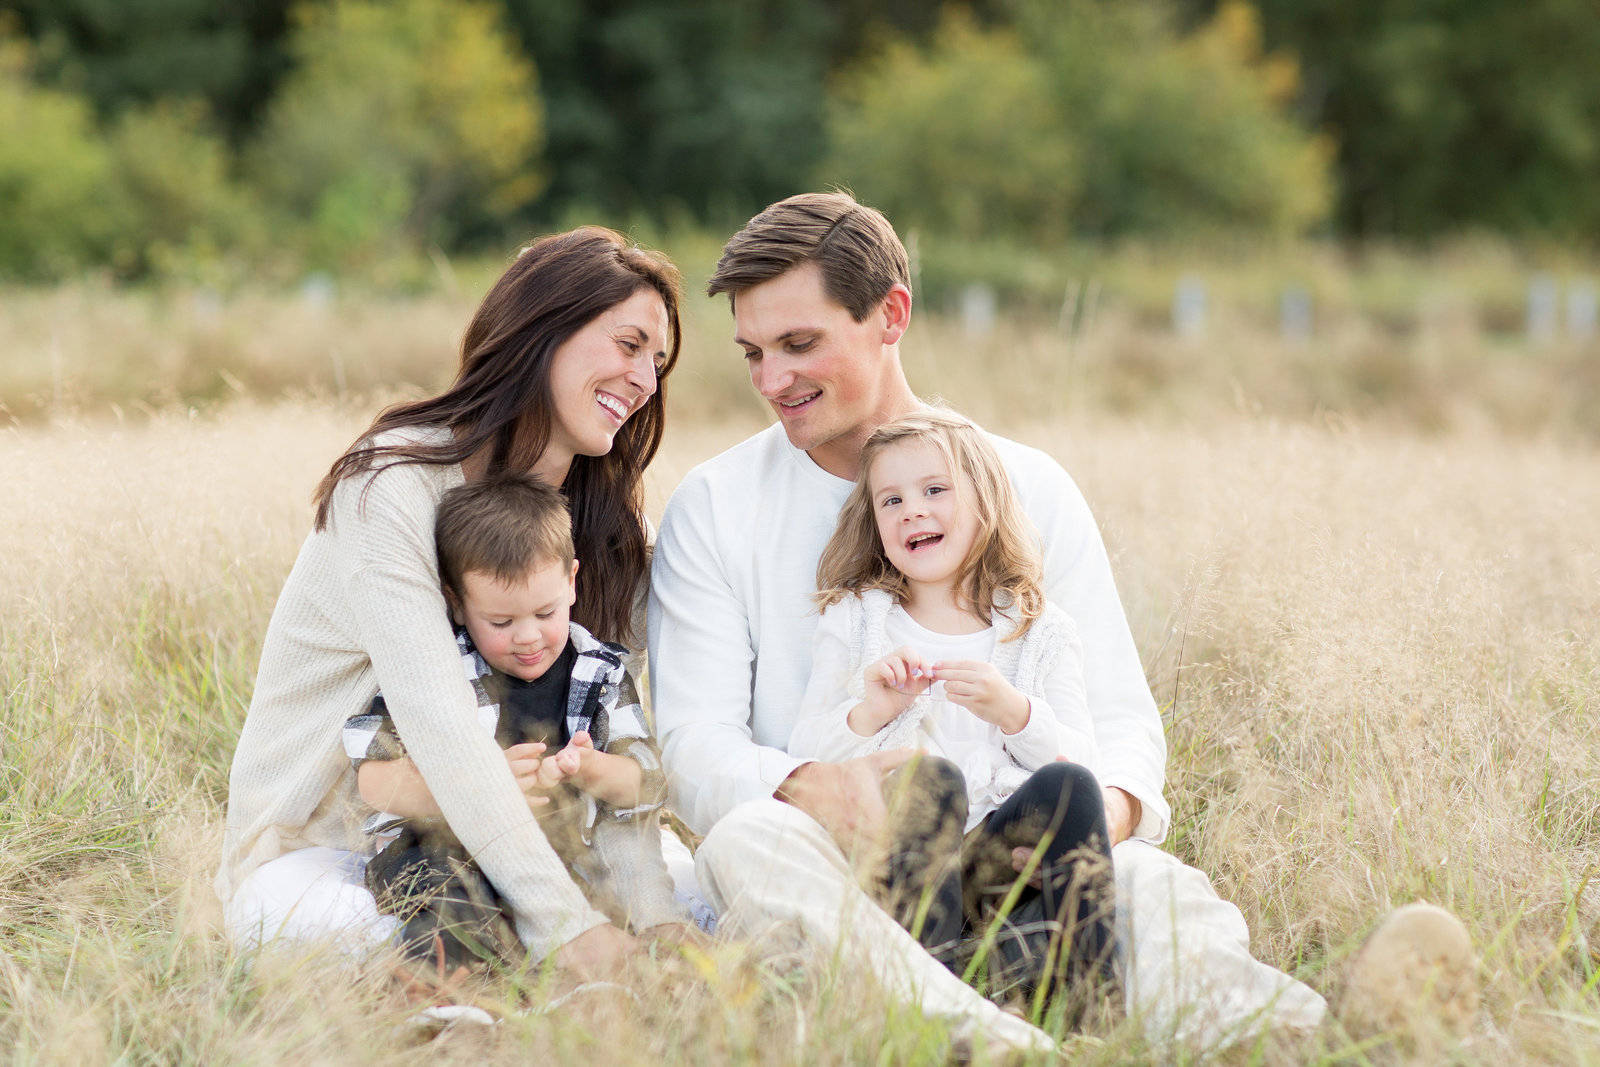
x,y
501,398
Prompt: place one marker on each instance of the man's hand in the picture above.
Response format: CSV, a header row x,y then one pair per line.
x,y
1123,812
978,686
846,798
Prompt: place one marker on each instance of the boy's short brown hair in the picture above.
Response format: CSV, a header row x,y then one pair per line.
x,y
857,250
504,525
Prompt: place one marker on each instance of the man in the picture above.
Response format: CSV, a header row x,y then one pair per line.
x,y
820,292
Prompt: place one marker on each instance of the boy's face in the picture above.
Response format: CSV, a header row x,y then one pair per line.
x,y
520,628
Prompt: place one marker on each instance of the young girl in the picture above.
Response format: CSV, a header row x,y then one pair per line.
x,y
935,634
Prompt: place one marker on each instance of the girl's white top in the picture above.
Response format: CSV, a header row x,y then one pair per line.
x,y
1046,664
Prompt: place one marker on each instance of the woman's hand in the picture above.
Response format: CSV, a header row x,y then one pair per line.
x,y
978,687
675,935
892,683
599,954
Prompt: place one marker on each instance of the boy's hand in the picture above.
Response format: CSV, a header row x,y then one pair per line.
x,y
892,683
526,763
978,687
566,764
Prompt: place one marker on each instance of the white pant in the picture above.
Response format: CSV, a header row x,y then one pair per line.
x,y
1188,971
320,895
307,896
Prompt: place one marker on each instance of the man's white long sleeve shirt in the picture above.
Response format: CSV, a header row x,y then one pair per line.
x,y
731,621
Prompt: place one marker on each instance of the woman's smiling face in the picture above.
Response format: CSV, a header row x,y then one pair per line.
x,y
600,376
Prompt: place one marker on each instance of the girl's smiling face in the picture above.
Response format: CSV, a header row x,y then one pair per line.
x,y
924,513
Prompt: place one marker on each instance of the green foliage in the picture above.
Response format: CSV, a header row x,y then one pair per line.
x,y
178,199
415,119
53,174
125,55
710,107
959,137
1454,113
1096,116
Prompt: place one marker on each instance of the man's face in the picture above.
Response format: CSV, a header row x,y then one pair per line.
x,y
830,380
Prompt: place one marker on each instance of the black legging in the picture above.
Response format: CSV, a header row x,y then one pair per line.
x,y
949,889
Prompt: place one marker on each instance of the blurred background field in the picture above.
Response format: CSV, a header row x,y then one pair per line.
x,y
1303,294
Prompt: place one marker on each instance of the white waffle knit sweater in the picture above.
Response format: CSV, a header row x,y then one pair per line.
x,y
363,608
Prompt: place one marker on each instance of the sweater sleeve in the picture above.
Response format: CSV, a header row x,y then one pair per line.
x,y
1127,727
1059,725
823,729
384,530
702,670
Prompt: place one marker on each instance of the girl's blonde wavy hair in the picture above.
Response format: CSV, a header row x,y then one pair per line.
x,y
1003,566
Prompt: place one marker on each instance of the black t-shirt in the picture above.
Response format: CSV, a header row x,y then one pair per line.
x,y
536,710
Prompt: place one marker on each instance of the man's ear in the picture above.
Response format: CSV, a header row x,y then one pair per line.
x,y
896,311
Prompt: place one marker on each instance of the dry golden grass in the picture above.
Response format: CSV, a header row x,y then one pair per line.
x,y
1377,652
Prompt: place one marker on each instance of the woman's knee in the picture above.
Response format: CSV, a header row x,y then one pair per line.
x,y
308,895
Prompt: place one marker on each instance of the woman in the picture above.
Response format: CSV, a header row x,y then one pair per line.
x,y
561,374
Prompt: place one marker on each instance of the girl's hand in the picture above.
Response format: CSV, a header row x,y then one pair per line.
x,y
978,687
892,683
526,762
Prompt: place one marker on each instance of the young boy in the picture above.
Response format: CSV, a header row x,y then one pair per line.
x,y
562,705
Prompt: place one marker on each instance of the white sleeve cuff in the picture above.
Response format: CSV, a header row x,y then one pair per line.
x,y
1039,742
1155,817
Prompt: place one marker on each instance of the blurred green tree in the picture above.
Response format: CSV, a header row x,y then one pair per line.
x,y
54,173
1090,114
962,137
411,119
171,180
701,107
124,54
1454,113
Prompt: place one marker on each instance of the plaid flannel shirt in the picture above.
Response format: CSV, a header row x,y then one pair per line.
x,y
601,699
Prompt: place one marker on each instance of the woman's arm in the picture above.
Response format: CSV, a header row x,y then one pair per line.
x,y
383,527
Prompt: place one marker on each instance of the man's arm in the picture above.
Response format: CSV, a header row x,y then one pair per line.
x,y
702,662
1127,726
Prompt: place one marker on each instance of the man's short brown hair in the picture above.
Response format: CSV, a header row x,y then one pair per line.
x,y
505,525
857,250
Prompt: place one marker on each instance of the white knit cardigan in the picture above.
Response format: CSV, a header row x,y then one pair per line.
x,y
1024,662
